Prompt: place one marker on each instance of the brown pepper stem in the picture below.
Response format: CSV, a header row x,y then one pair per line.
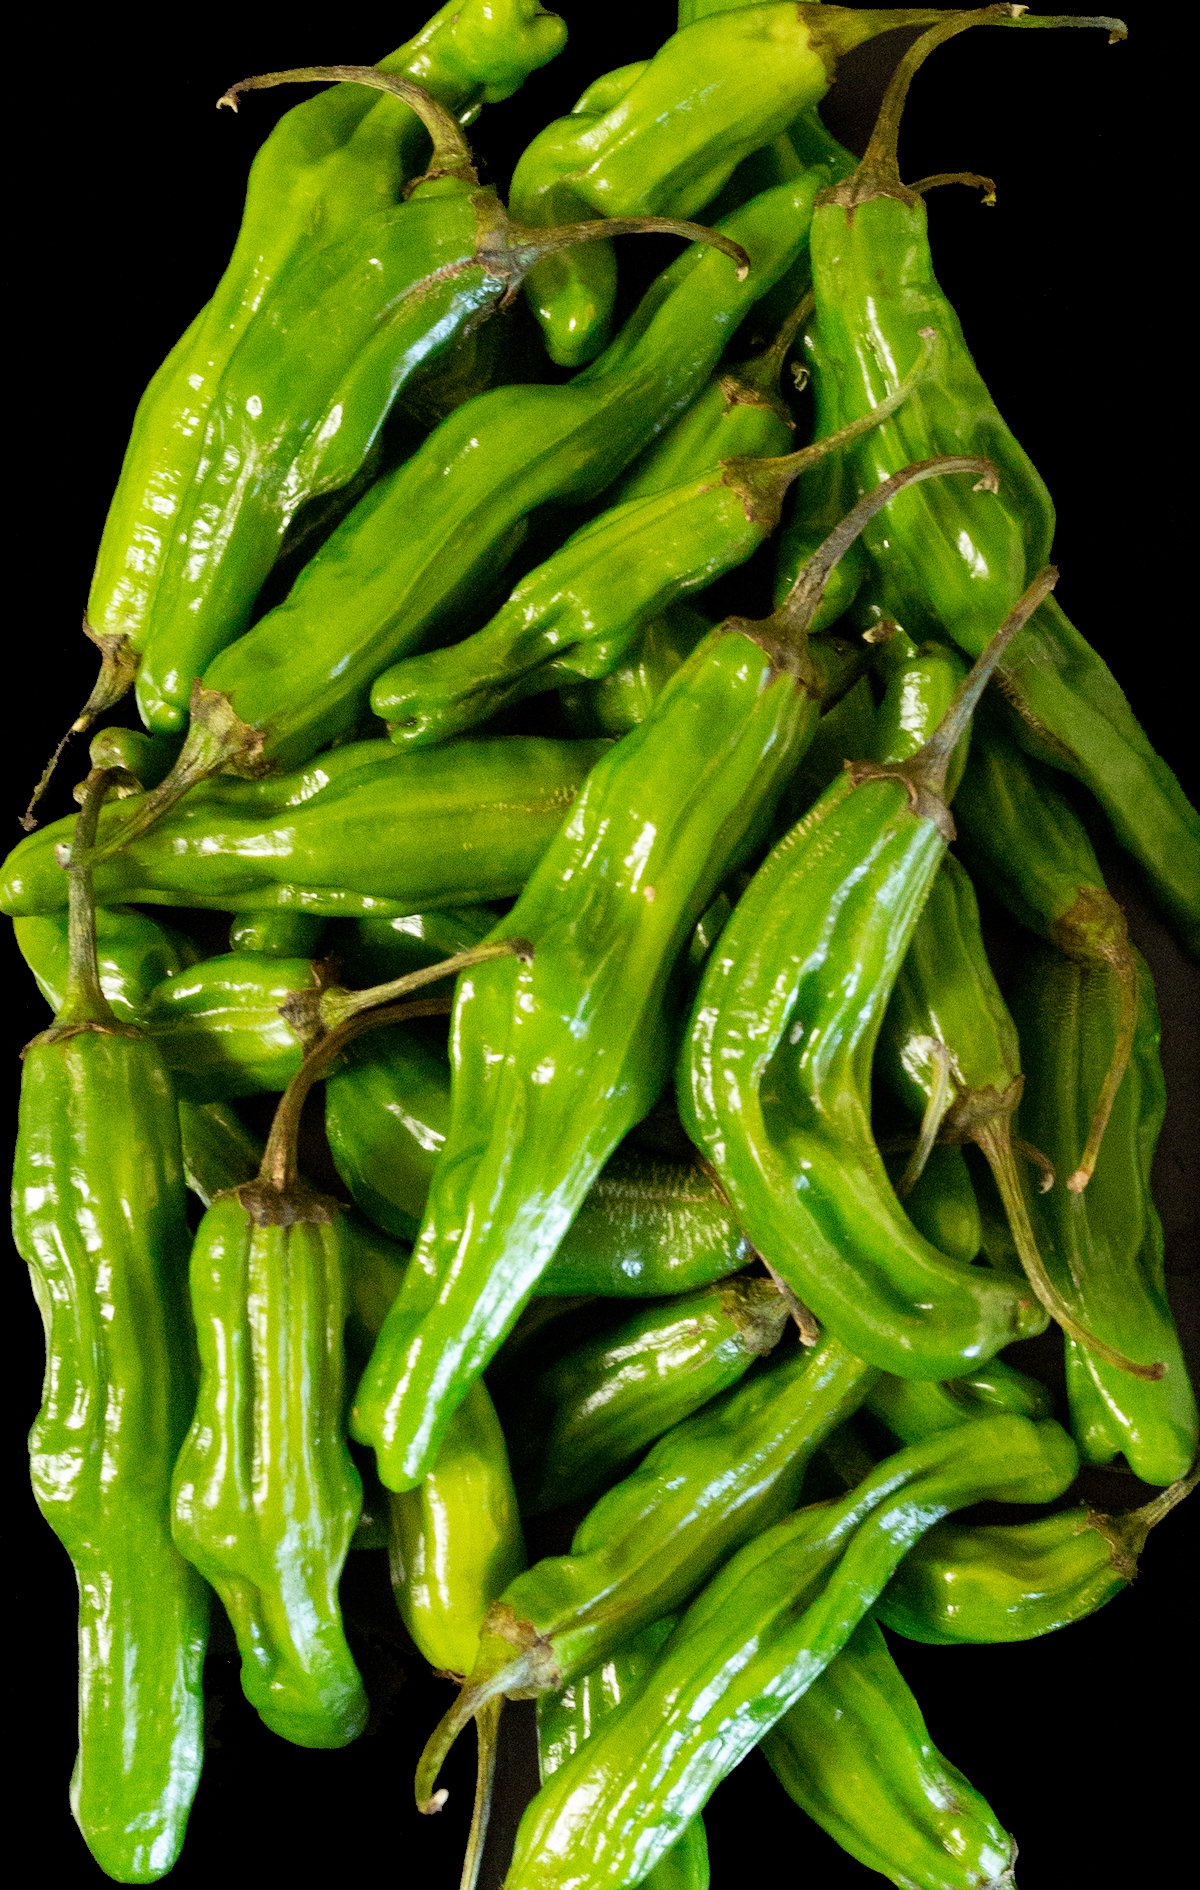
x,y
515,1662
84,1002
487,1729
451,153
931,1120
118,667
1112,955
336,1006
971,180
1126,1535
523,247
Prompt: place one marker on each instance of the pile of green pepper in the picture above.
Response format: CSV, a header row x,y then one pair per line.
x,y
728,1045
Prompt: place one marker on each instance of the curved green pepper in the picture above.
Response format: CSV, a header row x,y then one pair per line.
x,y
914,1408
579,1422
1104,1245
941,1203
1012,1582
389,836
953,562
775,1070
99,1217
615,703
566,1719
327,166
752,1643
855,1754
703,1490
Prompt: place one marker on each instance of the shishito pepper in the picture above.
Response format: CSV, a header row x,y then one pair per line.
x,y
327,166
751,1644
951,562
99,1216
362,831
554,1065
774,1076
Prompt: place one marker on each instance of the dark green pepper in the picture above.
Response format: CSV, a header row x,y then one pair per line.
x,y
752,1643
855,1754
99,1216
775,1070
941,1203
222,1028
275,934
387,836
914,1408
583,1419
1104,1245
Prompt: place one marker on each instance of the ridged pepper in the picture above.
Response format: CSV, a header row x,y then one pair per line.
x,y
669,134
555,1061
388,835
99,1217
1014,1581
753,1641
581,1421
222,1028
775,1070
702,1491
855,1754
329,165
1104,1245
566,1719
457,511
946,560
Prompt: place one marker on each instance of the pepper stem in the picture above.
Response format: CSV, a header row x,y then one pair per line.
x,y
336,1006
1127,1534
451,155
523,247
1116,956
931,1120
118,667
217,741
487,1728
515,1662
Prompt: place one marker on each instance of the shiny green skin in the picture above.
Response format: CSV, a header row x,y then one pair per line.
x,y
219,1151
645,1228
99,1216
394,835
583,1419
221,1028
373,951
1007,1582
275,934
619,701
455,1542
942,1204
298,411
566,1719
751,1644
774,1086
953,561
844,732
1104,1246
329,164
855,1754
555,1059
707,1487
914,1409
265,1495
412,552
149,758
921,681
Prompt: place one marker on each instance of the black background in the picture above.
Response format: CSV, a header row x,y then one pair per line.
x,y
1072,295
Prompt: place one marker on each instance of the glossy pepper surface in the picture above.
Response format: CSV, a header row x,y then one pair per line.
x,y
99,1217
754,1640
953,562
581,1421
368,833
775,1070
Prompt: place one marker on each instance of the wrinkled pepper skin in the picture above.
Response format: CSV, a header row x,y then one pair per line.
x,y
566,1719
718,90
752,1643
411,552
774,1085
265,1495
395,834
552,1061
953,562
99,1217
221,1028
583,1419
1104,1245
855,1754
329,164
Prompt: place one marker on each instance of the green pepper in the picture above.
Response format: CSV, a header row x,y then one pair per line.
x,y
913,1408
1029,847
99,1217
275,934
752,1643
615,703
941,1203
952,562
328,165
554,1062
582,1420
148,758
703,1490
775,1069
408,555
1104,1245
1012,1582
566,1719
669,134
855,1754
387,837
221,1026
